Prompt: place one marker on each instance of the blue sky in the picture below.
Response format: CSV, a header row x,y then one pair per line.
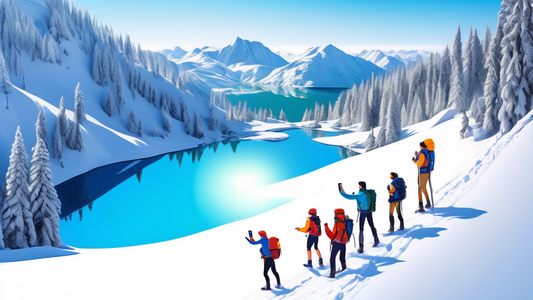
x,y
295,25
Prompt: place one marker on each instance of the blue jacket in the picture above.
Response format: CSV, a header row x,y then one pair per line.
x,y
265,246
363,202
394,197
424,169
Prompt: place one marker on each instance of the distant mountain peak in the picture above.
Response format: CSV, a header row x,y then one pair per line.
x,y
249,53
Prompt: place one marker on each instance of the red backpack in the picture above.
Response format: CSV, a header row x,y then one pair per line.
x,y
275,248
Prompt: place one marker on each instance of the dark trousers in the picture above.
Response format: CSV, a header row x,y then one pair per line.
x,y
269,263
366,215
336,248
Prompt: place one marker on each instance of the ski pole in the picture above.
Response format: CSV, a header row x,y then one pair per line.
x,y
431,189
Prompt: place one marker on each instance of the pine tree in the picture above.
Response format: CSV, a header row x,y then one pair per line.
x,y
57,143
187,121
109,104
457,93
393,123
198,130
79,105
464,127
62,120
371,141
134,123
75,141
40,127
45,205
96,70
513,83
282,116
5,82
17,220
167,122
213,121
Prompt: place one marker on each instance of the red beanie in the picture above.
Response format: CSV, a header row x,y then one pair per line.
x,y
262,233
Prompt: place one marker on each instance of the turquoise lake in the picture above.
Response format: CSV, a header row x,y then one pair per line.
x,y
294,101
187,192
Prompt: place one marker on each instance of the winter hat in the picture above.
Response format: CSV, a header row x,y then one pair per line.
x,y
262,233
422,144
312,211
393,175
362,184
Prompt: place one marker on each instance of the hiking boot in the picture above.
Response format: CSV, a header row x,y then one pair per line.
x,y
360,250
376,242
343,267
266,288
320,262
401,226
420,208
331,275
428,204
308,265
391,220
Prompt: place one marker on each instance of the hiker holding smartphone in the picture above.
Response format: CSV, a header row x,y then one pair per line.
x,y
365,205
266,256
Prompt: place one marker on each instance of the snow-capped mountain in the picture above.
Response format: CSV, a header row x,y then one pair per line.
x,y
289,57
199,72
326,67
381,60
176,53
408,57
249,53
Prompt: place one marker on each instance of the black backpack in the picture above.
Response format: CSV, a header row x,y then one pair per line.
x,y
401,188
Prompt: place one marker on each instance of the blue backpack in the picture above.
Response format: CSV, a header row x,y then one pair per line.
x,y
349,227
401,189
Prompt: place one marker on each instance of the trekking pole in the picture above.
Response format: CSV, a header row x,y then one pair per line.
x,y
431,189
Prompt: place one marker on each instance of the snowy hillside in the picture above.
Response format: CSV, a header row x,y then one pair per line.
x,y
249,53
289,57
326,67
50,74
448,250
381,60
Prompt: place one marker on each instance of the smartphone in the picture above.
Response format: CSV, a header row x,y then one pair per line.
x,y
250,233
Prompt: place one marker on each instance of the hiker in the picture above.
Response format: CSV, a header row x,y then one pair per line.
x,y
312,227
363,206
396,195
338,239
265,255
422,162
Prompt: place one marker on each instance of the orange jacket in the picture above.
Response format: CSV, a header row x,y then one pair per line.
x,y
421,162
306,227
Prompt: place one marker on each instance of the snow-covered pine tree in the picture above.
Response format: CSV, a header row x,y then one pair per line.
x,y
75,140
117,86
198,130
282,116
457,93
486,49
393,122
468,68
109,104
17,220
464,127
5,82
187,121
97,69
371,141
62,120
40,127
213,121
79,105
514,88
45,205
57,143
167,122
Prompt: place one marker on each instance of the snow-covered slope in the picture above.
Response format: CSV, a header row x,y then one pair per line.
x,y
326,67
455,254
381,60
289,57
177,53
106,138
249,53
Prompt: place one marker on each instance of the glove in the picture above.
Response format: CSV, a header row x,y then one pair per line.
x,y
296,228
325,224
